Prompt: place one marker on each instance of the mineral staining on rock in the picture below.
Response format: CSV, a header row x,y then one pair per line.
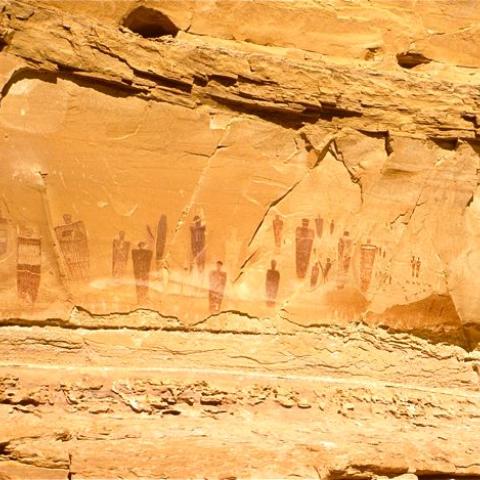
x,y
168,165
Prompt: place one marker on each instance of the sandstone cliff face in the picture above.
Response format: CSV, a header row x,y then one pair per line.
x,y
218,217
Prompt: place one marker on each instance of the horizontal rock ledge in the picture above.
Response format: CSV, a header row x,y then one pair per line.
x,y
261,81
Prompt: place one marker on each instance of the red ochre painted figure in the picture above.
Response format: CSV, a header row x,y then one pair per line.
x,y
121,250
272,282
142,260
345,251
197,237
319,226
277,230
161,240
418,264
29,259
332,226
415,264
314,274
326,269
4,228
367,260
72,239
217,282
303,248
345,245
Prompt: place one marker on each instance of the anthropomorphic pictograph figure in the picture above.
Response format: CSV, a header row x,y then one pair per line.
x,y
367,260
73,242
332,226
413,264
142,261
29,260
303,243
272,282
326,269
418,264
319,226
161,240
217,282
198,247
120,253
314,274
345,245
277,231
4,230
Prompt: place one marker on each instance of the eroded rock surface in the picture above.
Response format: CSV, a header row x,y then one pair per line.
x,y
222,218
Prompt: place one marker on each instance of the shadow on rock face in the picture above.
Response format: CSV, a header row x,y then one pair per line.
x,y
434,318
149,23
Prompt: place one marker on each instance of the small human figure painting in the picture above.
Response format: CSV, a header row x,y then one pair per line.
x,y
367,260
277,231
121,251
3,234
197,237
72,239
303,247
272,282
344,251
418,264
161,239
29,259
332,226
413,264
345,246
314,274
326,269
142,260
319,226
217,282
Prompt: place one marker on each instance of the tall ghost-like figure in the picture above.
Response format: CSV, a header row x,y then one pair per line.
x,y
4,229
326,269
217,282
29,259
72,239
272,282
319,226
345,246
367,260
120,252
303,247
314,274
197,240
161,240
142,260
277,231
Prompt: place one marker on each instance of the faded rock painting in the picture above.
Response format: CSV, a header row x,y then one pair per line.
x,y
217,282
142,260
73,243
237,216
197,231
120,254
272,282
29,264
303,247
4,228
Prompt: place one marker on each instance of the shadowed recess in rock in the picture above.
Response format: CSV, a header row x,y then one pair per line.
x,y
150,23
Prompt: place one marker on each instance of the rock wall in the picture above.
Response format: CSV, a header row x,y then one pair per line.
x,y
221,216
